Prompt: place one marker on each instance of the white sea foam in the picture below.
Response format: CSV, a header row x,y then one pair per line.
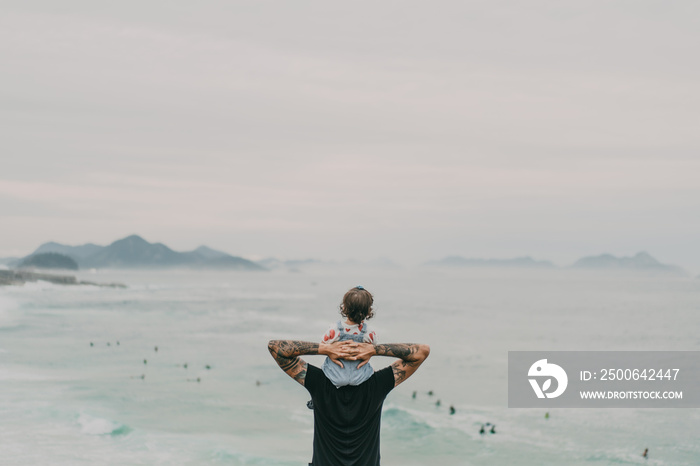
x,y
8,318
40,285
91,425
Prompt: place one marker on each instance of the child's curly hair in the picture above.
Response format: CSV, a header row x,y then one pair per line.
x,y
357,305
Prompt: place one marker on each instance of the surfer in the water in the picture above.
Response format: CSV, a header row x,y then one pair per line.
x,y
347,419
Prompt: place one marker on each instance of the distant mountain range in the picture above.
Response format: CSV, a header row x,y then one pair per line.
x,y
135,252
458,261
640,261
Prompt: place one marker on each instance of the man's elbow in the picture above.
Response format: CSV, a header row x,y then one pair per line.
x,y
272,346
424,352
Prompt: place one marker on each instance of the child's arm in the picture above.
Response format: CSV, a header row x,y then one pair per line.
x,y
331,335
370,336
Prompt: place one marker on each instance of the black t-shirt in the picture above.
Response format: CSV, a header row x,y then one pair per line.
x,y
347,419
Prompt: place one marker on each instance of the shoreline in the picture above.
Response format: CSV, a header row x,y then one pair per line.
x,y
20,277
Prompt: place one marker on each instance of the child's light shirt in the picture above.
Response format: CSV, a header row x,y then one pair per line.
x,y
334,331
349,374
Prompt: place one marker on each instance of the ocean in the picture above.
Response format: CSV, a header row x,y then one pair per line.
x,y
81,382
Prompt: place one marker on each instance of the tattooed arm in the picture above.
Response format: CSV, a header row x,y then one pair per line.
x,y
286,353
411,356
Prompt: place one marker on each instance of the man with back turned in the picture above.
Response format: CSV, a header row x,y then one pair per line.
x,y
347,419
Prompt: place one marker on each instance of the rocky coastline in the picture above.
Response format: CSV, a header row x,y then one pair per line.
x,y
20,277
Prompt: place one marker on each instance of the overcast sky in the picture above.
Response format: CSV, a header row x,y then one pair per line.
x,y
335,130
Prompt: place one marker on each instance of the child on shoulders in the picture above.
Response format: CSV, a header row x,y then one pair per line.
x,y
356,309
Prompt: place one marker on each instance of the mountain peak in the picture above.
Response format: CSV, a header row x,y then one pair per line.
x,y
132,239
645,257
50,244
